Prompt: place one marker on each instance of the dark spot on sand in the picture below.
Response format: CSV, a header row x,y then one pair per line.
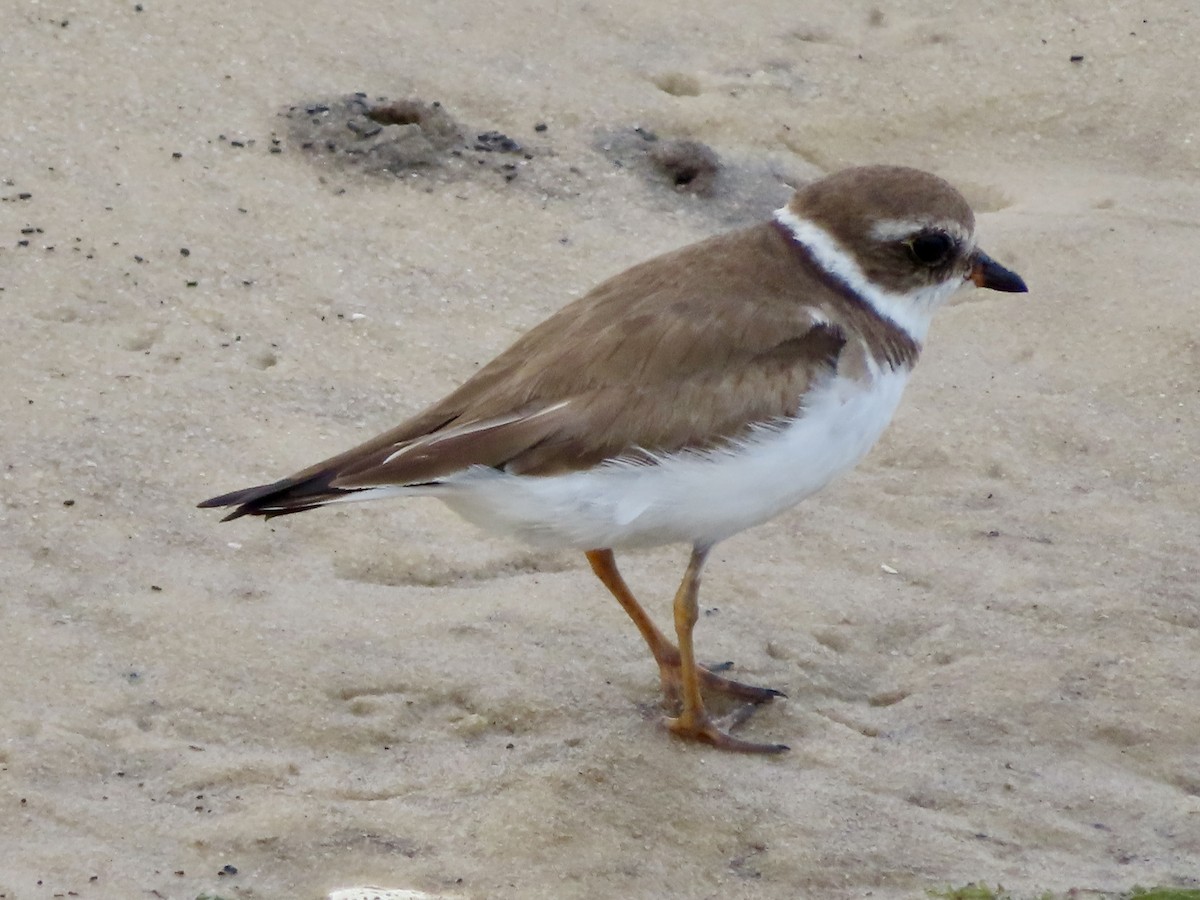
x,y
690,165
684,165
678,84
403,137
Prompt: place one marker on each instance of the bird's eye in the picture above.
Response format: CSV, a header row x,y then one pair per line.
x,y
931,248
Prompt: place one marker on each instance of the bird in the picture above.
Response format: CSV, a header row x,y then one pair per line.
x,y
685,400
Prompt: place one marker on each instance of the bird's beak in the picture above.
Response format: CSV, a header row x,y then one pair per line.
x,y
987,273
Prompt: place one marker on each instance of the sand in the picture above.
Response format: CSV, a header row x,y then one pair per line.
x,y
989,633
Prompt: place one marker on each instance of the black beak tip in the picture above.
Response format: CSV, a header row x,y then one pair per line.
x,y
1015,284
987,273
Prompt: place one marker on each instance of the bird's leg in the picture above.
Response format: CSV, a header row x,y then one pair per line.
x,y
694,722
667,655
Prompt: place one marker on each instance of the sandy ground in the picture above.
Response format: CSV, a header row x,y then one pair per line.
x,y
380,695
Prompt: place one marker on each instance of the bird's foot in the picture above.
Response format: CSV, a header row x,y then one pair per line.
x,y
712,683
699,726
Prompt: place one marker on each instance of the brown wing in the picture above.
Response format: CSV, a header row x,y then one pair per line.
x,y
684,351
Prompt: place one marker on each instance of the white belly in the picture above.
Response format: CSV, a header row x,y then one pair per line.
x,y
695,498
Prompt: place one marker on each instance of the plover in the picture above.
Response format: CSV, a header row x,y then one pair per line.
x,y
686,399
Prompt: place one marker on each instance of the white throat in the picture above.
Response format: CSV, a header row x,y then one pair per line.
x,y
912,312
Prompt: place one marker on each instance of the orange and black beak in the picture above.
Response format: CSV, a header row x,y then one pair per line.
x,y
987,273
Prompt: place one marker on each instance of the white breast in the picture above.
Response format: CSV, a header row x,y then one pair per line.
x,y
689,497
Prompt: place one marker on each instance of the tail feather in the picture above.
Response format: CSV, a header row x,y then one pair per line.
x,y
395,462
280,498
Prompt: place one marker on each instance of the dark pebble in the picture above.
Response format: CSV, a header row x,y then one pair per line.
x,y
364,127
184,251
1077,57
491,141
540,127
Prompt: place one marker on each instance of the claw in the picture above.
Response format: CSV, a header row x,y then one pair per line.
x,y
704,729
714,684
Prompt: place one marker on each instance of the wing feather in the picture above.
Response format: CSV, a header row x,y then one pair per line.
x,y
683,352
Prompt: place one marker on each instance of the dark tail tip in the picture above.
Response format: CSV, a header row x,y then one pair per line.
x,y
280,498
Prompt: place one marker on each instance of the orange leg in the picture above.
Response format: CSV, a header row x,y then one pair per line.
x,y
682,678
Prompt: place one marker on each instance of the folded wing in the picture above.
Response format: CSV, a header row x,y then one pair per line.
x,y
671,365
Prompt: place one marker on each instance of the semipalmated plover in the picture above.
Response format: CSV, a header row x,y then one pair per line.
x,y
686,399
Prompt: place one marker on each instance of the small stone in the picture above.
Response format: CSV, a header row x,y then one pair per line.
x,y
364,127
494,141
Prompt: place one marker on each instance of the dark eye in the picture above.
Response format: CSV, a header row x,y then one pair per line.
x,y
931,248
